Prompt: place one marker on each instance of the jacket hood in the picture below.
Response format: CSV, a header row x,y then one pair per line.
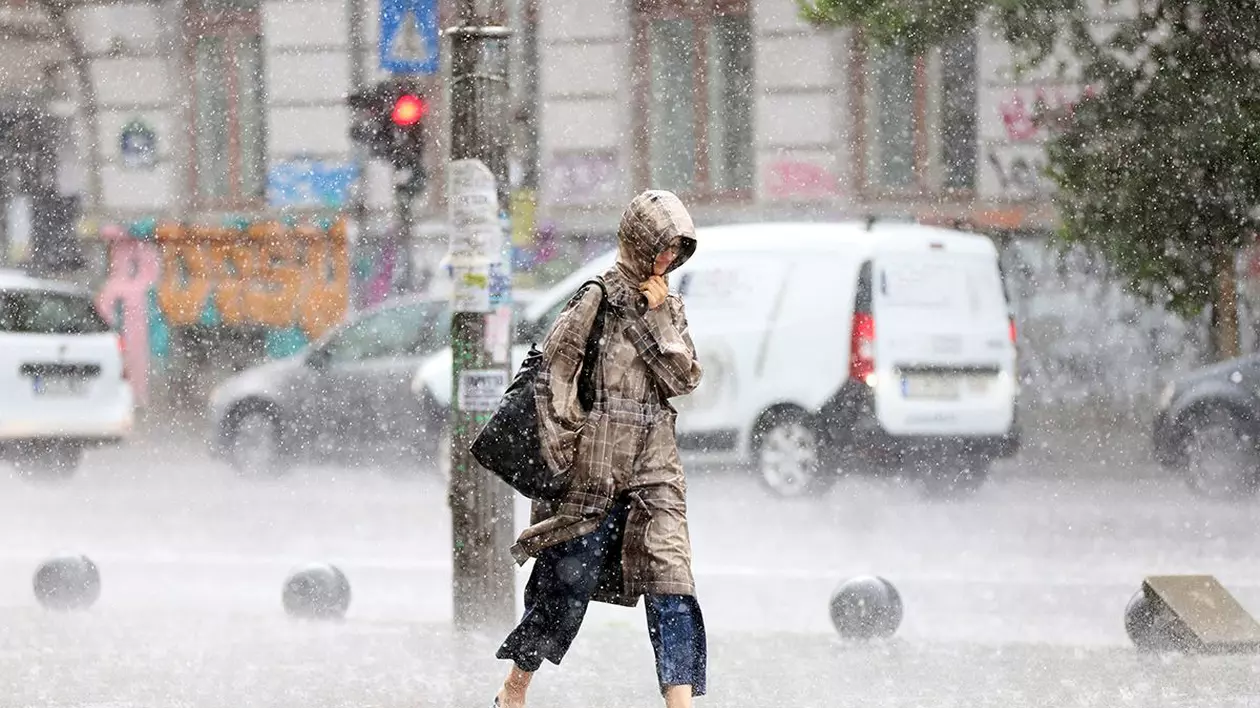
x,y
651,222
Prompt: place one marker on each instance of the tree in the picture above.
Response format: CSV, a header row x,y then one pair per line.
x,y
1159,168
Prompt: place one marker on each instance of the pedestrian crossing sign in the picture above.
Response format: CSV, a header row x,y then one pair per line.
x,y
409,36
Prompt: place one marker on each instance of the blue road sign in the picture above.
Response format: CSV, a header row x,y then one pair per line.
x,y
409,36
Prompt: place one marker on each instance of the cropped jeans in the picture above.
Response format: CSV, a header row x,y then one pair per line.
x,y
560,587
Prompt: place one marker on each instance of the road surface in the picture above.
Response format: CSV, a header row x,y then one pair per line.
x,y
1013,598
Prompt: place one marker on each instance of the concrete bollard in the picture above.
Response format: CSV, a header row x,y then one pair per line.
x,y
67,583
318,591
866,607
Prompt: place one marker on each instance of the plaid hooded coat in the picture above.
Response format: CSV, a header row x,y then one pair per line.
x,y
625,446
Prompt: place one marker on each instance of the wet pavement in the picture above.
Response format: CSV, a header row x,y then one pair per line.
x,y
1013,597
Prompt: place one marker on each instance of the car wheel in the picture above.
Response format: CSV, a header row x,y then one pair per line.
x,y
789,458
50,461
1221,458
254,447
954,478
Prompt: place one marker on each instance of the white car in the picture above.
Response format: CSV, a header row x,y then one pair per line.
x,y
63,386
833,346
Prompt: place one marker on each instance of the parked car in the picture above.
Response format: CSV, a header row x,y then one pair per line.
x,y
833,346
1207,428
344,398
63,385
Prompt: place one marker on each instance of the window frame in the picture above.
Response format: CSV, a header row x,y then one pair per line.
x,y
228,25
701,13
930,179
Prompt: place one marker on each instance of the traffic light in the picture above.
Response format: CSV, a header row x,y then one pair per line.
x,y
389,121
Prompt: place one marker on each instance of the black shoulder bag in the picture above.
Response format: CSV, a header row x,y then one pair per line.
x,y
509,445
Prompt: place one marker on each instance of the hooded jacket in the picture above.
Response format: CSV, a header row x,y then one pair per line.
x,y
624,448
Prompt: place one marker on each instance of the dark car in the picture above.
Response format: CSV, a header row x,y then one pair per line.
x,y
1207,427
345,399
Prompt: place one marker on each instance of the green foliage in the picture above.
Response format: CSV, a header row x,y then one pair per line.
x,y
1160,169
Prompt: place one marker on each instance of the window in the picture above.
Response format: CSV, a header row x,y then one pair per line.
x,y
37,312
695,96
406,330
891,120
228,119
919,118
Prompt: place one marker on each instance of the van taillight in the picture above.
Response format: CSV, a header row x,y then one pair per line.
x,y
862,350
1014,332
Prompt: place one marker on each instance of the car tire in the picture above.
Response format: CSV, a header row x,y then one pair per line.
x,y
53,461
1221,457
254,446
954,478
790,457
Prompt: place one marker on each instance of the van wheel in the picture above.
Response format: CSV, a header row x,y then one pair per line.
x,y
1222,461
49,462
254,447
954,478
789,455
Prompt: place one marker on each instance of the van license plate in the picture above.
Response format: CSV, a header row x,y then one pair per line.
x,y
941,388
59,385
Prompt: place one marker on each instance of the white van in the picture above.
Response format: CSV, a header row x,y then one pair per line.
x,y
830,347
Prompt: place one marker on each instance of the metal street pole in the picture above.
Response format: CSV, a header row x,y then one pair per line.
x,y
404,196
481,506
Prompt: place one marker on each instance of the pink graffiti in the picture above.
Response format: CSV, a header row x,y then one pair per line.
x,y
1024,119
133,272
800,180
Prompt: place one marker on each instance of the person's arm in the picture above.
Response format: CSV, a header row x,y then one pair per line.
x,y
662,340
564,348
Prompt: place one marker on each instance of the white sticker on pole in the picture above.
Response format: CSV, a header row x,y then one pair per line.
x,y
473,206
499,335
480,390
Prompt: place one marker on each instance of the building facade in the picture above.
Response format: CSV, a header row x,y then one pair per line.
x,y
212,107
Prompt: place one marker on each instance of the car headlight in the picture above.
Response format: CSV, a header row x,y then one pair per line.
x,y
1166,396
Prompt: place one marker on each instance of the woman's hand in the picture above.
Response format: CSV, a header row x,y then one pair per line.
x,y
655,290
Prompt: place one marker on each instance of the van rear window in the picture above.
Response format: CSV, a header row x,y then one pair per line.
x,y
43,312
954,285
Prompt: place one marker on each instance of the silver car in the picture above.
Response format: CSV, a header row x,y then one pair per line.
x,y
345,399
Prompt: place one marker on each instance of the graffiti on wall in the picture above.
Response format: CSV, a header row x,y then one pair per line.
x,y
799,179
127,301
1018,171
267,275
1018,120
1030,113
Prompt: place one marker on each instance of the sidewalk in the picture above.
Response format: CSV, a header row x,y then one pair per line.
x,y
125,661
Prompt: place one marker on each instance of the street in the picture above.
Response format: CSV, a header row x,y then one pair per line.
x,y
1014,597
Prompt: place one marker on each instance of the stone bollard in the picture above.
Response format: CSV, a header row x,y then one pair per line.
x,y
67,583
866,607
318,591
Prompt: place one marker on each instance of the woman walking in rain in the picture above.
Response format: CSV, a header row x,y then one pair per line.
x,y
620,531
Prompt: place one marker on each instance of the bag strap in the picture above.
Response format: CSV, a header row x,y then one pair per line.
x,y
587,390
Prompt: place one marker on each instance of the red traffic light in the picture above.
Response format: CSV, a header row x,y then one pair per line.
x,y
408,110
